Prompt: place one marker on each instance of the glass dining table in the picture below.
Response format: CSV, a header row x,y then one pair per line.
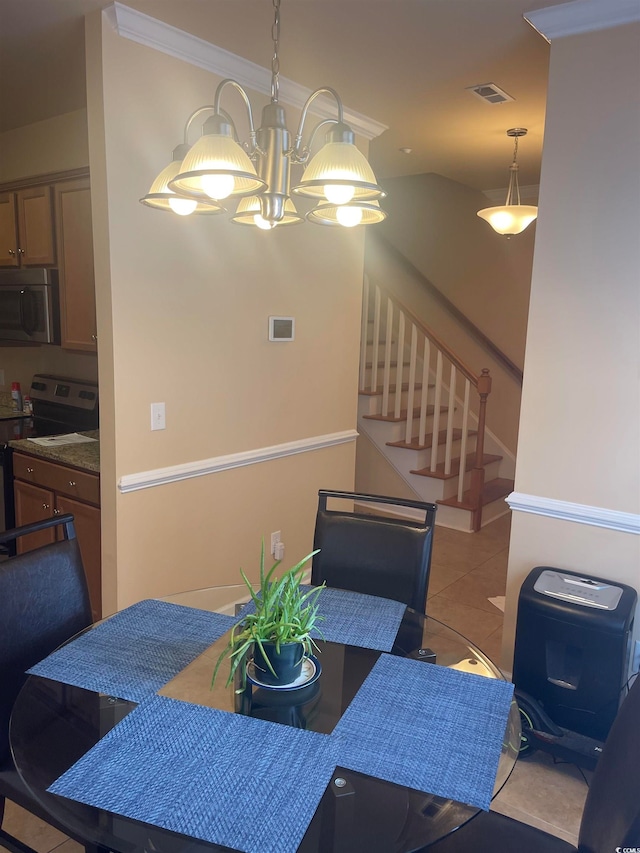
x,y
54,724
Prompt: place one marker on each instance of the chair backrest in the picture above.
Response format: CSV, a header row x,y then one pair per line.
x,y
374,554
611,817
43,602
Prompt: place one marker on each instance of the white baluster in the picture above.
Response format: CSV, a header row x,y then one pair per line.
x,y
452,406
426,357
364,334
375,342
408,435
465,428
399,362
387,360
436,413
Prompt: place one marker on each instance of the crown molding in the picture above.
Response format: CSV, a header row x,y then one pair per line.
x,y
582,16
625,522
143,29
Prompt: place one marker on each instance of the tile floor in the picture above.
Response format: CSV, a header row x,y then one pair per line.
x,y
467,570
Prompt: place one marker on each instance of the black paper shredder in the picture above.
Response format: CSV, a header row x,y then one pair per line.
x,y
573,647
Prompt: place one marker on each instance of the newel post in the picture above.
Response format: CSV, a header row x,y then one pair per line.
x,y
477,473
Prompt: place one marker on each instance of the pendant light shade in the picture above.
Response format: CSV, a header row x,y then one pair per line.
x,y
511,217
347,215
216,166
163,198
339,172
249,213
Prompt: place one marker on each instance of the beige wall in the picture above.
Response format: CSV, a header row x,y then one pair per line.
x,y
579,435
183,306
53,145
433,221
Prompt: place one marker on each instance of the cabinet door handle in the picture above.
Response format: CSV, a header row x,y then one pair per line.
x,y
29,470
56,512
94,338
72,483
11,251
21,251
46,506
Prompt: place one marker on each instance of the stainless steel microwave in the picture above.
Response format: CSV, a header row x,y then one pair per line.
x,y
29,306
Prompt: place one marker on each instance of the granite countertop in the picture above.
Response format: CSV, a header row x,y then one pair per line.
x,y
86,457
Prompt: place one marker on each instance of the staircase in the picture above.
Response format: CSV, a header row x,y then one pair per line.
x,y
424,410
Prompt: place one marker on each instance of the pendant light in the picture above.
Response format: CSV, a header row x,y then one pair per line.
x,y
218,168
512,217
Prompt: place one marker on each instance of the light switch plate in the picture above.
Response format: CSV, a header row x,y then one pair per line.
x,y
158,417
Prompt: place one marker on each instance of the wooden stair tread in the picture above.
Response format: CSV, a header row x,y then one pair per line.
x,y
414,444
403,415
493,490
455,466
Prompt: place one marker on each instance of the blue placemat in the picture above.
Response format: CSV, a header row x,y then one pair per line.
x,y
133,654
354,619
427,727
224,778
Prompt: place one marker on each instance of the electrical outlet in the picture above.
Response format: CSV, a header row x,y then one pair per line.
x,y
275,538
279,551
158,418
635,665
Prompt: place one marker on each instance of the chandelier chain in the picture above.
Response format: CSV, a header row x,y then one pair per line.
x,y
275,61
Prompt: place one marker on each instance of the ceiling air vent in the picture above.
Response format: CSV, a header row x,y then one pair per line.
x,y
490,93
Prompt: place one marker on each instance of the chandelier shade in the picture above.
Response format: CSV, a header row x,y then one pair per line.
x,y
339,172
348,215
511,217
249,212
163,198
217,167
257,173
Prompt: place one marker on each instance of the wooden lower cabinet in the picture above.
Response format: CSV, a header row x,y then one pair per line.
x,y
43,489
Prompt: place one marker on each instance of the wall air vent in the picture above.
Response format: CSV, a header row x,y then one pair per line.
x,y
490,93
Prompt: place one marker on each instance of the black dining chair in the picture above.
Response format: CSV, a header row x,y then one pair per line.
x,y
44,601
365,551
611,816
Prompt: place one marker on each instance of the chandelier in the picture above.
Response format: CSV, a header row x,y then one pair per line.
x,y
512,217
201,178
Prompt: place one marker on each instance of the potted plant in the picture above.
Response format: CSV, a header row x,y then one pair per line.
x,y
278,630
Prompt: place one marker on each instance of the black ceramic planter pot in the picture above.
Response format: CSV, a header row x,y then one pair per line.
x,y
287,663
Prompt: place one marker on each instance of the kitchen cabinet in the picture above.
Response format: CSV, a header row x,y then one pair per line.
x,y
27,233
75,263
43,489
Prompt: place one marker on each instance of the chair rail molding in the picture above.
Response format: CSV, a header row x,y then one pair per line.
x,y
625,522
174,473
143,29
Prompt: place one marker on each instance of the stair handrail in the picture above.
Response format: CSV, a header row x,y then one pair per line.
x,y
502,358
482,384
433,337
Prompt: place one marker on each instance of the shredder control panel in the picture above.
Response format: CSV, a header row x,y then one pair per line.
x,y
584,591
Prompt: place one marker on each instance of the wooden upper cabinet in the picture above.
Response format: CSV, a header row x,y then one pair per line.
x,y
26,228
75,262
8,231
